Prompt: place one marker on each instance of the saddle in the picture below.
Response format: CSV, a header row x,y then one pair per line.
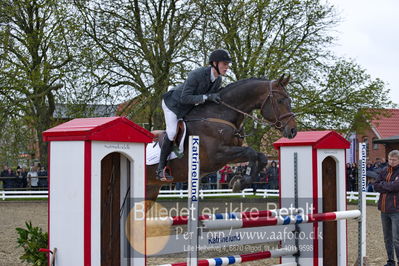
x,y
160,135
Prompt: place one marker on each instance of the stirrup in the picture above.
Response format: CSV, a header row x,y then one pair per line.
x,y
164,175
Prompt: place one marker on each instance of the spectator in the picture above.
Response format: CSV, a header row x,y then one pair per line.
x,y
241,169
369,166
371,177
179,186
24,177
213,179
21,177
388,185
348,170
264,182
352,175
377,165
383,163
43,181
32,176
380,166
3,174
224,172
272,174
10,181
206,180
370,187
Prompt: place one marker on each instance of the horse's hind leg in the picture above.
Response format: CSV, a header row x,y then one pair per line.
x,y
262,161
152,192
253,169
256,161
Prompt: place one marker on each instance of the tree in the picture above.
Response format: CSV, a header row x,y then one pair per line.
x,y
104,51
34,54
44,60
336,101
16,144
143,45
270,38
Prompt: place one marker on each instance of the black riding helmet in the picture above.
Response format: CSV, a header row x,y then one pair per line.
x,y
219,55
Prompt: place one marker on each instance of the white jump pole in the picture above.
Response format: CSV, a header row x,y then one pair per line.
x,y
362,188
193,197
237,259
182,220
280,220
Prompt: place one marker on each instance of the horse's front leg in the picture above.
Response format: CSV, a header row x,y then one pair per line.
x,y
256,162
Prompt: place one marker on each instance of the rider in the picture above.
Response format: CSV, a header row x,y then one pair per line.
x,y
203,84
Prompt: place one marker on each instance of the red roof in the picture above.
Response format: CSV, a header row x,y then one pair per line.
x,y
99,128
316,139
387,126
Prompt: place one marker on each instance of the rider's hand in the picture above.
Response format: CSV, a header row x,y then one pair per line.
x,y
214,97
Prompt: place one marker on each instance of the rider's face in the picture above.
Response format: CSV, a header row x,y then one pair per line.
x,y
393,161
223,67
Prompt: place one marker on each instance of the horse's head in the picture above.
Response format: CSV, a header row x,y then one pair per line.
x,y
276,107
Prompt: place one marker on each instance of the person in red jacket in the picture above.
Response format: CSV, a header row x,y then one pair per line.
x,y
387,184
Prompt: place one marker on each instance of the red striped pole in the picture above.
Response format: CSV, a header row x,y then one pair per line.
x,y
280,220
182,220
241,258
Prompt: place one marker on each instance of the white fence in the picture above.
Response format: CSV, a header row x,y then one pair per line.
x,y
23,194
354,195
204,193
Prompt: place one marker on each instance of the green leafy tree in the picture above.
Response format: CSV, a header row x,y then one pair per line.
x,y
34,54
143,45
275,37
44,61
335,102
15,141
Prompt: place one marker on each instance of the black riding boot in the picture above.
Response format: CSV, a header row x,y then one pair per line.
x,y
165,151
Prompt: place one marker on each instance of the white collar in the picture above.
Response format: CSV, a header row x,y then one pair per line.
x,y
213,78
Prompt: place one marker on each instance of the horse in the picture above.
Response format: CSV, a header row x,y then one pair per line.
x,y
218,127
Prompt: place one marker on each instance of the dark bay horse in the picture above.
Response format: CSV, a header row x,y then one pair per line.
x,y
217,126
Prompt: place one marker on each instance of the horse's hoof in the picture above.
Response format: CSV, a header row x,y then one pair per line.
x,y
246,181
236,187
233,180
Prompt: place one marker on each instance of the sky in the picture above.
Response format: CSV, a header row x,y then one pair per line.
x,y
369,34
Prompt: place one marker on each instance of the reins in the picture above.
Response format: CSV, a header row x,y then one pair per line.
x,y
278,123
260,120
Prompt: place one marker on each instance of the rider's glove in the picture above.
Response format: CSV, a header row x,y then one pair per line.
x,y
214,97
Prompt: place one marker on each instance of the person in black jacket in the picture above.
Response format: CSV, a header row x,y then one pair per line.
x,y
387,184
272,173
203,84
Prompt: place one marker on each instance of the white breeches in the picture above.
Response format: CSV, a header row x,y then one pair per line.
x,y
171,122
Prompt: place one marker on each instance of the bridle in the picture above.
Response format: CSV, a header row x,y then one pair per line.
x,y
279,122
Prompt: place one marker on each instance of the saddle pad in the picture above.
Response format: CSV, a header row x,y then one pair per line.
x,y
153,150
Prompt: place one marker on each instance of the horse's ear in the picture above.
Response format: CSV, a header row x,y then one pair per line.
x,y
281,79
284,81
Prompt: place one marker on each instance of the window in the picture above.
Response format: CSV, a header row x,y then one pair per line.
x,y
366,140
375,145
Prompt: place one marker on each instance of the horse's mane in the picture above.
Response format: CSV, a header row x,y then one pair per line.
x,y
241,82
233,94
